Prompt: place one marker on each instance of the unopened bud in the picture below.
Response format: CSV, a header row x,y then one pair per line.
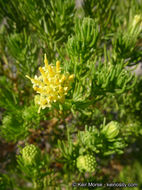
x,y
30,154
111,130
86,163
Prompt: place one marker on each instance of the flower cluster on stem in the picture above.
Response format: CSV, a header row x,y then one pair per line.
x,y
51,86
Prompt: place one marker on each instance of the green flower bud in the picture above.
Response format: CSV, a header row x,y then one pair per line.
x,y
111,130
86,162
30,154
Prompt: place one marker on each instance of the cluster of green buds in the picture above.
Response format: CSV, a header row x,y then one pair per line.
x,y
30,154
111,130
112,142
86,163
52,86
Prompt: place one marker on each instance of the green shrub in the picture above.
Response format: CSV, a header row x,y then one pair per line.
x,y
70,101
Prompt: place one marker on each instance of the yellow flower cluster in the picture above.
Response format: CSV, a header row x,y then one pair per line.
x,y
52,86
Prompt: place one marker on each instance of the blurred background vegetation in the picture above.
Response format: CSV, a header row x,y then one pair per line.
x,y
98,41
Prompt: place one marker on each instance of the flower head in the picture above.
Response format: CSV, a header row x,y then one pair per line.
x,y
111,130
52,86
86,163
30,154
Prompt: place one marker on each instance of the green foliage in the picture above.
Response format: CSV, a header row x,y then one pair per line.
x,y
125,43
113,77
103,141
5,182
83,44
102,10
32,164
134,177
96,141
16,124
8,99
92,52
21,47
52,20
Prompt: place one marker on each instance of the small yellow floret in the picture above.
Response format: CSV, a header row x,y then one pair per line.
x,y
45,61
63,78
57,66
51,85
71,77
42,72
